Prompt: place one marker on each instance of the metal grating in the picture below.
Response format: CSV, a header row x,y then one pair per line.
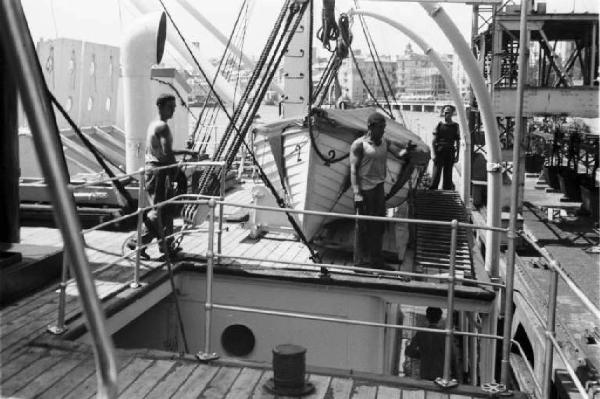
x,y
432,255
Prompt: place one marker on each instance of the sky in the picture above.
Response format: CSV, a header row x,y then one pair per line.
x,y
104,21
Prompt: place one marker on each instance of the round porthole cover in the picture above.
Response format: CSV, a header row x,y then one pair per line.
x,y
238,340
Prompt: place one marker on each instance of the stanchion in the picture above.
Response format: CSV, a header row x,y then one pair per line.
x,y
206,355
446,381
60,327
140,220
550,331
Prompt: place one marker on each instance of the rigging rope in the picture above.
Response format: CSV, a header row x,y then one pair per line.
x,y
298,10
225,52
376,59
329,30
177,93
360,74
95,152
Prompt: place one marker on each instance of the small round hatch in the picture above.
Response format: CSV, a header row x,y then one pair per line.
x,y
238,340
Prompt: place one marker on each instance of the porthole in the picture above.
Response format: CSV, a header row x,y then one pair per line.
x,y
90,103
238,340
69,104
93,66
107,104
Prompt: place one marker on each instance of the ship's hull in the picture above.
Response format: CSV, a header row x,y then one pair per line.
x,y
314,173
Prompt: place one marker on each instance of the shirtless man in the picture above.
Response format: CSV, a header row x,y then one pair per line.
x,y
159,152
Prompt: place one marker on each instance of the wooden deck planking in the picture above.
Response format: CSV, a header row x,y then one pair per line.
x,y
413,394
26,375
363,391
49,377
218,387
340,388
195,384
259,391
87,387
321,383
25,359
70,380
385,392
244,384
171,381
147,380
436,395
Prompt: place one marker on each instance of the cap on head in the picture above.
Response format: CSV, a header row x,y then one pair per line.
x,y
375,119
164,97
433,314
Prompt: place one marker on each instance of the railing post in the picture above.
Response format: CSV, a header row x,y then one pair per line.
x,y
208,306
140,221
60,327
550,331
446,381
222,198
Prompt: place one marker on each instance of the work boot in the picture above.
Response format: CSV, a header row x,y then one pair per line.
x,y
132,245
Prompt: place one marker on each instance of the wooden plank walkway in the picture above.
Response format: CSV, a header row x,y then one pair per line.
x,y
70,373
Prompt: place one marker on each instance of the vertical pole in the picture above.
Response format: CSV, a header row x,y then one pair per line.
x,y
60,327
210,261
550,332
9,152
473,349
593,53
520,124
464,326
222,198
447,381
140,220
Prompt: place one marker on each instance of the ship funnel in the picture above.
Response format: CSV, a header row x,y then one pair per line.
x,y
142,47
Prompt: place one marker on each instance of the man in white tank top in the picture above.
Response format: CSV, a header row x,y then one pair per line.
x,y
368,157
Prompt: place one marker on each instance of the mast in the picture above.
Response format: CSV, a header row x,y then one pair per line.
x,y
296,69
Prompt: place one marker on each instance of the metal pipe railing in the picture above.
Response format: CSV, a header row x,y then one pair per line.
x,y
514,194
60,326
307,316
140,220
550,331
364,217
447,381
449,331
568,367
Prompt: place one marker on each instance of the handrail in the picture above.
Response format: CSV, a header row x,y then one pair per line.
x,y
133,174
364,217
451,279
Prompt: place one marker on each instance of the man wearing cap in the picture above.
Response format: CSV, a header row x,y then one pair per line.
x,y
159,183
368,157
446,142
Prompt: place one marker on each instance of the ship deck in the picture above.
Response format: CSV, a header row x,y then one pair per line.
x,y
35,363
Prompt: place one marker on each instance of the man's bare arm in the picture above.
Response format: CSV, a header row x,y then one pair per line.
x,y
355,158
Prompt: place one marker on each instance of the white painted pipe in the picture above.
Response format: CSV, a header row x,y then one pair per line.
x,y
225,90
454,92
492,140
142,47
